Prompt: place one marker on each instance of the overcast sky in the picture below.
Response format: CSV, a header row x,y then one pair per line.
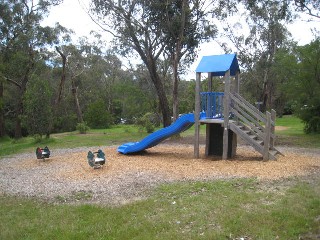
x,y
71,14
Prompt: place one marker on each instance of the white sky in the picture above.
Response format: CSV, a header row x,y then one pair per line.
x,y
71,14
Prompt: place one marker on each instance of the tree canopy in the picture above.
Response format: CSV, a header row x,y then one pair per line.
x,y
23,45
78,81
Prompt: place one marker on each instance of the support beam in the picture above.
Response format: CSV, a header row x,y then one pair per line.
x,y
236,90
209,82
237,82
266,142
226,107
273,119
197,117
209,98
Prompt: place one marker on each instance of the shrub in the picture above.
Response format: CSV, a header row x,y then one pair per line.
x,y
311,118
82,128
97,116
145,122
37,107
313,125
65,123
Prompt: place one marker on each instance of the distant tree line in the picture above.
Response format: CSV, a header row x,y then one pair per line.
x,y
50,84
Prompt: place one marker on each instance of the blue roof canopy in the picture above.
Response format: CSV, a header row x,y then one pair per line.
x,y
218,65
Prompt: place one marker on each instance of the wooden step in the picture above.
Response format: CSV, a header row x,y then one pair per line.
x,y
254,137
254,141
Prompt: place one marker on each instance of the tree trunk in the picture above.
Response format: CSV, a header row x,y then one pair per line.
x,y
76,101
265,92
18,128
175,101
63,76
147,55
19,109
19,112
176,59
163,101
58,98
2,125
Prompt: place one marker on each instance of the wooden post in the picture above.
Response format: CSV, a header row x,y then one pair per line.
x,y
237,82
209,97
226,103
208,130
273,119
236,90
267,137
209,82
197,116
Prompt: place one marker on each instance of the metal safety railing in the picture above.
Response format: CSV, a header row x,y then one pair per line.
x,y
212,104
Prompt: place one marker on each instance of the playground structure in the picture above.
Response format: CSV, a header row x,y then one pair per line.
x,y
253,126
42,153
96,159
226,115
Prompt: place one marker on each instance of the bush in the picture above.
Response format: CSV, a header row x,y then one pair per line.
x,y
145,122
37,107
311,118
97,116
313,125
82,128
65,123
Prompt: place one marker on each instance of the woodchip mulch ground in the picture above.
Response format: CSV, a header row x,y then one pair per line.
x,y
125,177
176,162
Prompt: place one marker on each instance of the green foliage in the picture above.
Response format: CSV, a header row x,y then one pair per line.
x,y
24,43
37,111
97,116
133,98
312,125
304,87
82,127
147,122
184,25
65,123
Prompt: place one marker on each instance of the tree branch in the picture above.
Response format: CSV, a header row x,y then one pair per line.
x,y
13,82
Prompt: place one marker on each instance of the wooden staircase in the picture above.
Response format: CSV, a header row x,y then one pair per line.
x,y
254,127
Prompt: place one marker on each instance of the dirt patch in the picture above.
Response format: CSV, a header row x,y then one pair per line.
x,y
281,128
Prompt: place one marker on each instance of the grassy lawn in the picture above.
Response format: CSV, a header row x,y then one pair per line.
x,y
194,210
102,137
219,209
293,135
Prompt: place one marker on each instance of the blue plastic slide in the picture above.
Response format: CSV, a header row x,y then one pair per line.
x,y
181,124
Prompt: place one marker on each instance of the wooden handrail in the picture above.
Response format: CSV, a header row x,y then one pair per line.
x,y
251,116
249,105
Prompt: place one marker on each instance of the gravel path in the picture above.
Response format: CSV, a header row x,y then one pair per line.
x,y
67,177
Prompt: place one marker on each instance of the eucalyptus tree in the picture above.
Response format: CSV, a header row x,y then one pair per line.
x,y
135,32
37,107
76,60
23,42
304,85
257,43
154,30
185,25
310,7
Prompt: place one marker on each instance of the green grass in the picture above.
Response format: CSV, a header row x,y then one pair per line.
x,y
293,135
102,137
191,210
224,209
